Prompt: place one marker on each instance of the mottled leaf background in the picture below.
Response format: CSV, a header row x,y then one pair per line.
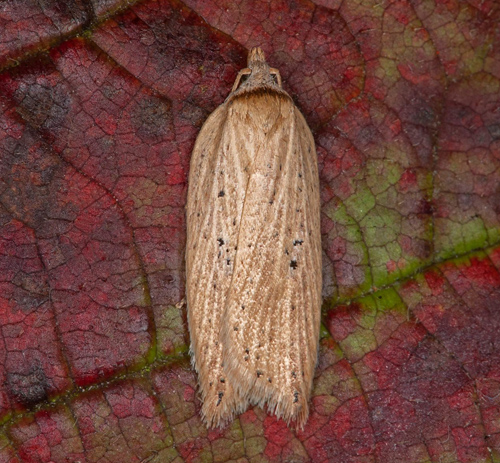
x,y
101,102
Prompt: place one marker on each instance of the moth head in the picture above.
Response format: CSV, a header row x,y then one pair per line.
x,y
258,72
256,57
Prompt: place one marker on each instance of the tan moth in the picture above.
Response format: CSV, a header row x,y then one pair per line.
x,y
253,253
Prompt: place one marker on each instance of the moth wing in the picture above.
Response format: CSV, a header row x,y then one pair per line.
x,y
207,281
214,206
272,316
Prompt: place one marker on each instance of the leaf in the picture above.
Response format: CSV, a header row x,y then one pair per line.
x,y
101,104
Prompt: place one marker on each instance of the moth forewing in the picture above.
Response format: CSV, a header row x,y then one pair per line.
x,y
253,254
207,281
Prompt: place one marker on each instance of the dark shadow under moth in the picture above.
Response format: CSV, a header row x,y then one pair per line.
x,y
253,254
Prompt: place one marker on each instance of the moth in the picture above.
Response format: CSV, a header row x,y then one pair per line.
x,y
253,252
